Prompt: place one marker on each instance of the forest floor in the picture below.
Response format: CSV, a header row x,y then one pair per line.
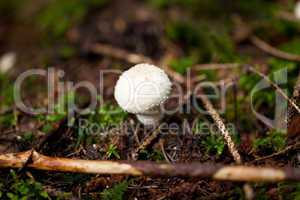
x,y
191,38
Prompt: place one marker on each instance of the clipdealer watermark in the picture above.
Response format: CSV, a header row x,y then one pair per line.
x,y
218,92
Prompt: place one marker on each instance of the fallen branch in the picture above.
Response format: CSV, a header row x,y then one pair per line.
x,y
146,168
262,45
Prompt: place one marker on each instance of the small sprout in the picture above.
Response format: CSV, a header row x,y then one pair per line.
x,y
141,90
112,151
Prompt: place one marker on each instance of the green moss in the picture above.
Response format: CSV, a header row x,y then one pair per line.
x,y
109,114
263,97
202,41
183,31
60,15
28,137
210,75
292,72
104,117
6,92
155,155
116,192
289,190
8,120
275,140
67,51
214,144
18,188
253,8
182,64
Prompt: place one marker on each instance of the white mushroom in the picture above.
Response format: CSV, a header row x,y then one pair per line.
x,y
7,61
141,90
297,10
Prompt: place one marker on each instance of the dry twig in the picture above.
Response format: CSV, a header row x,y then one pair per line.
x,y
278,89
287,149
148,140
216,66
219,122
146,168
129,57
262,45
119,53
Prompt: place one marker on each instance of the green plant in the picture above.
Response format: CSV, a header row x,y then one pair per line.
x,y
60,15
214,144
182,64
6,92
110,114
202,41
265,97
248,81
106,116
292,188
28,137
275,140
8,120
116,192
23,189
155,155
112,152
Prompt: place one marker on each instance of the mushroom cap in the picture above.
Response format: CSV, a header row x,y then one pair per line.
x,y
142,88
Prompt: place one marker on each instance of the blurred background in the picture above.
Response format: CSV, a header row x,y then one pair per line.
x,y
62,33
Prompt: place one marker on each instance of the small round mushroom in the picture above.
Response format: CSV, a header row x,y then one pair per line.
x,y
141,90
297,10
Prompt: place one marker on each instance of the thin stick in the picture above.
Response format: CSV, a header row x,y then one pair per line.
x,y
216,66
289,16
296,92
119,53
296,98
218,120
130,57
149,139
147,168
287,149
262,45
279,90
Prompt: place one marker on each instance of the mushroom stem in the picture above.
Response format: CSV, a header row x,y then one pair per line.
x,y
149,119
